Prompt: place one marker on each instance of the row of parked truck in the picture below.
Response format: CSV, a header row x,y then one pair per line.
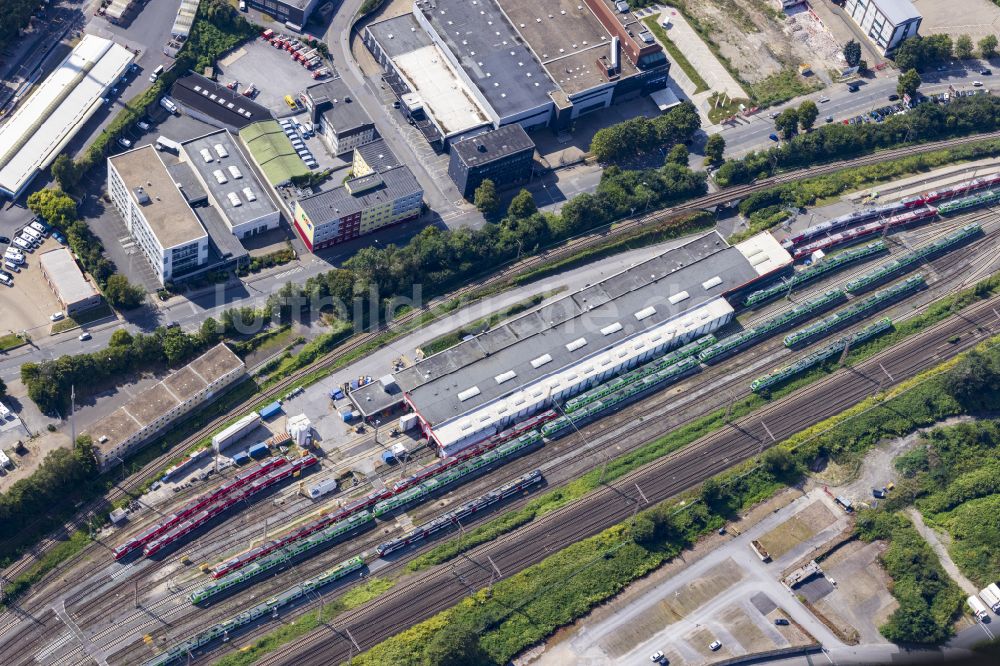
x,y
302,53
989,597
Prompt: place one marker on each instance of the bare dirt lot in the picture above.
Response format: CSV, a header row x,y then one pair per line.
x,y
794,531
976,18
861,599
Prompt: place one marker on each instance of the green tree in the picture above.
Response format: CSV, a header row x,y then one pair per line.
x,y
66,172
210,332
3,388
972,380
787,123
808,112
963,47
522,206
711,492
988,46
122,294
486,198
120,338
678,155
177,346
852,53
54,205
455,644
908,83
715,148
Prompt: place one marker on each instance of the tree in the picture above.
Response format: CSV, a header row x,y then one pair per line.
x,y
486,198
54,205
678,155
715,147
3,388
455,644
963,47
122,294
66,172
808,112
988,46
972,380
210,332
522,206
120,338
852,53
787,123
711,492
908,83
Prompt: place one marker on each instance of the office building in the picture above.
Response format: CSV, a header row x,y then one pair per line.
x,y
231,184
157,214
503,155
338,119
133,425
361,205
293,13
75,292
39,128
886,23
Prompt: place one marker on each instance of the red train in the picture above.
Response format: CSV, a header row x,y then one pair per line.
x,y
864,231
372,498
195,505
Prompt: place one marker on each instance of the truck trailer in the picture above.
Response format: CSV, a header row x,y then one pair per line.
x,y
978,607
991,597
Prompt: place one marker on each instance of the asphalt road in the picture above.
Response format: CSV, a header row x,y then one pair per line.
x,y
444,586
752,134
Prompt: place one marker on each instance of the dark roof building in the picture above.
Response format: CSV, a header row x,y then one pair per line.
x,y
296,13
216,104
504,156
337,117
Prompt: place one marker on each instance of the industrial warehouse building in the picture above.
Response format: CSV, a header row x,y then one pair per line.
x,y
459,66
132,426
380,193
338,119
503,155
74,291
231,184
486,383
39,128
294,13
215,104
885,22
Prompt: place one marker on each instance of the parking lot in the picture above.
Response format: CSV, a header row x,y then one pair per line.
x,y
27,304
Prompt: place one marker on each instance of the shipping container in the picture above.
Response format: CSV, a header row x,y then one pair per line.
x,y
241,458
271,410
407,421
323,487
236,431
259,451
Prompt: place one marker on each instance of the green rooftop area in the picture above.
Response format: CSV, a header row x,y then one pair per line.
x,y
273,151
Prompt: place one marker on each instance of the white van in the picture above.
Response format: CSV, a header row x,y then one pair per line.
x,y
11,265
39,227
21,243
32,233
6,280
169,105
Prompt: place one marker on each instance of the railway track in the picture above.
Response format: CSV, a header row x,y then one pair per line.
x,y
621,427
440,588
569,247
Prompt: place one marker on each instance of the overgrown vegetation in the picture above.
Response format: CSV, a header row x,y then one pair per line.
x,y
953,476
270,260
641,135
781,87
49,382
923,52
700,85
928,599
17,15
926,122
318,346
810,191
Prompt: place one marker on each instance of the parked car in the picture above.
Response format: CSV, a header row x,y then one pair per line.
x,y
4,239
829,119
781,622
657,657
978,84
824,99
772,137
714,645
57,316
124,143
893,97
84,336
986,72
143,125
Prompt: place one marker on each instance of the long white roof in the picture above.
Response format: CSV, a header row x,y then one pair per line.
x,y
538,391
42,125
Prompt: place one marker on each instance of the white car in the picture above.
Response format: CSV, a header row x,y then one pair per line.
x,y
56,316
715,645
656,657
824,100
124,143
978,84
143,125
84,336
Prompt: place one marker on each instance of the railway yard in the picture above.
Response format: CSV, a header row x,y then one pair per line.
x,y
132,610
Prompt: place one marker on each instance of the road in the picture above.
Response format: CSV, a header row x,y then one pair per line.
x,y
932,538
752,134
441,588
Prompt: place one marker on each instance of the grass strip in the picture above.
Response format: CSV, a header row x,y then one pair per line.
x,y
700,85
11,341
58,554
85,317
307,622
454,337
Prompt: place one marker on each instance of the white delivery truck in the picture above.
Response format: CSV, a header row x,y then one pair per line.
x,y
169,105
163,143
323,487
991,596
978,607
